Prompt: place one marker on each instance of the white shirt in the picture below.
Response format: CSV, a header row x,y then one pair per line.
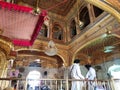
x,y
114,71
76,72
91,74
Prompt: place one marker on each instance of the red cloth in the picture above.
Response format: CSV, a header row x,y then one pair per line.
x,y
15,7
20,24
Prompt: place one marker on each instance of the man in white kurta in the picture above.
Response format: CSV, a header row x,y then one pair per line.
x,y
114,72
76,74
91,75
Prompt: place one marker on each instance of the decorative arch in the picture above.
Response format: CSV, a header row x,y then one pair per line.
x,y
3,63
103,44
105,7
74,56
44,31
63,59
84,18
73,30
34,54
57,31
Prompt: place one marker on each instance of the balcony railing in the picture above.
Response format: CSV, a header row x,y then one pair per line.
x,y
57,84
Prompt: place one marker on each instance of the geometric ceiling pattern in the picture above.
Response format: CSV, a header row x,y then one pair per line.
x,y
61,7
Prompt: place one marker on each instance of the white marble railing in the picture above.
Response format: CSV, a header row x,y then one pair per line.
x,y
57,84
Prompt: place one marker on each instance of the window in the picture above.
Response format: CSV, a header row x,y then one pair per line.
x,y
73,28
97,11
84,18
57,32
44,30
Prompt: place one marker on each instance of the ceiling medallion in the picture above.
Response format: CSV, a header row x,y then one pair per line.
x,y
51,49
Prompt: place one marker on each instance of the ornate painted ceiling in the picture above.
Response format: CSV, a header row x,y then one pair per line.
x,y
61,7
25,36
13,23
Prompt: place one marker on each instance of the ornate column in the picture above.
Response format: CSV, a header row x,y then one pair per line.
x,y
5,48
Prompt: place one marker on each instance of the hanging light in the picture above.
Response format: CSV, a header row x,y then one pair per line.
x,y
37,9
51,49
107,48
81,23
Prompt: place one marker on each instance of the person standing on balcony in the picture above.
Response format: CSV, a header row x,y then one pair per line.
x,y
114,73
91,75
76,74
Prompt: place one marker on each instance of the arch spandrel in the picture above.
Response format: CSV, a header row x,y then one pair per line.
x,y
106,7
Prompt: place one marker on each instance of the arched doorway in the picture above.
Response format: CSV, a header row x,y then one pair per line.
x,y
33,80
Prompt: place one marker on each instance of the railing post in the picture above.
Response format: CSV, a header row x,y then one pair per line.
x,y
112,84
67,84
26,84
17,86
56,84
60,84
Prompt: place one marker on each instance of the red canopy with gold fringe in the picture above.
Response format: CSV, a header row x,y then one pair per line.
x,y
19,23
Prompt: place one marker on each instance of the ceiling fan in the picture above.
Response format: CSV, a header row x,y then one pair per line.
x,y
108,49
111,47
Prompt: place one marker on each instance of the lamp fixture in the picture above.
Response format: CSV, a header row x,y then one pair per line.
x,y
37,10
51,49
108,48
108,32
81,24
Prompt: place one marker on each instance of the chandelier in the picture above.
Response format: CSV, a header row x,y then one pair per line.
x,y
51,49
